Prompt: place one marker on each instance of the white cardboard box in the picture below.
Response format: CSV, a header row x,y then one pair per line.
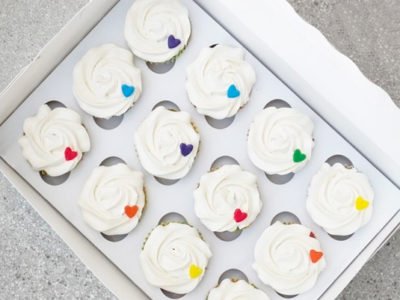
x,y
279,38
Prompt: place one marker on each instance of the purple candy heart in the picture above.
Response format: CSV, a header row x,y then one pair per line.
x,y
173,42
186,149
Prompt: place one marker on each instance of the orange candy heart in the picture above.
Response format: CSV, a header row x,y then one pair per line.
x,y
315,255
131,211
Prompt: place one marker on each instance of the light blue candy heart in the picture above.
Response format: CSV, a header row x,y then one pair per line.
x,y
127,90
233,92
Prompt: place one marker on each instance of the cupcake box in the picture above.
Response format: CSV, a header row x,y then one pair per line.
x,y
354,133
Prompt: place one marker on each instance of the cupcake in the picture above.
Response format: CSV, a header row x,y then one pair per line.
x,y
231,289
280,140
113,199
54,140
288,258
157,31
174,257
167,143
106,82
340,199
227,199
219,81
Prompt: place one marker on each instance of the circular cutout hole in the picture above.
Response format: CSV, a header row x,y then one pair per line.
x,y
213,45
286,296
280,179
340,237
341,159
55,104
54,180
228,236
222,161
286,217
278,103
111,161
234,274
110,123
219,124
172,217
114,238
172,295
165,181
168,105
161,68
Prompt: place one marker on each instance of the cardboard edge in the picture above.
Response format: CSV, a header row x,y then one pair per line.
x,y
120,285
375,245
54,51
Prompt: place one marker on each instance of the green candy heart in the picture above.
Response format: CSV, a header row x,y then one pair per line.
x,y
298,156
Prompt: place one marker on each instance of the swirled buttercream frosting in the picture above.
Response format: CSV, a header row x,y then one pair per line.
x,y
157,30
54,140
112,199
227,199
280,140
106,82
219,81
288,258
174,258
236,290
167,143
340,199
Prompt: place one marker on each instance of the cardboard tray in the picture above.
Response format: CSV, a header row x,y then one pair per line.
x,y
386,217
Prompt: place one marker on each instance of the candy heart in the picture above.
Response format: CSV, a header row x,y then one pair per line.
x,y
195,271
186,149
298,156
315,255
361,203
70,154
131,211
239,215
127,90
312,234
173,42
232,91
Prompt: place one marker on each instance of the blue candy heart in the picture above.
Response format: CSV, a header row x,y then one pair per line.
x,y
173,42
232,91
127,90
186,149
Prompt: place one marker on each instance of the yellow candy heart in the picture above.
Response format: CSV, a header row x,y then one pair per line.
x,y
195,271
361,203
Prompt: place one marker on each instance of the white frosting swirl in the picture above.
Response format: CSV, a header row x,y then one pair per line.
x,y
275,135
159,141
51,134
168,255
149,25
106,82
283,259
236,290
332,197
109,195
222,192
210,76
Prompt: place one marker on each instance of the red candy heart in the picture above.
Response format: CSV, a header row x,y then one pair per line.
x,y
312,234
70,154
131,211
239,216
315,255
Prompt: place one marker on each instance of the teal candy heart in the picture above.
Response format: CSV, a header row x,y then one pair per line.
x,y
127,90
233,92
